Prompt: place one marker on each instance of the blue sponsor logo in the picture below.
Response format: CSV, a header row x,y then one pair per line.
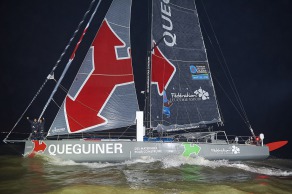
x,y
200,77
199,72
193,69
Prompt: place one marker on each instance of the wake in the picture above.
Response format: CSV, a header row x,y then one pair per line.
x,y
175,162
271,171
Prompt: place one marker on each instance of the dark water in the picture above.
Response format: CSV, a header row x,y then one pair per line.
x,y
171,175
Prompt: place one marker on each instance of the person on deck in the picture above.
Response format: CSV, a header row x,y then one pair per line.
x,y
41,128
236,140
34,128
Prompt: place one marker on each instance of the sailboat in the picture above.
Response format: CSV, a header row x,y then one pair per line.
x,y
180,100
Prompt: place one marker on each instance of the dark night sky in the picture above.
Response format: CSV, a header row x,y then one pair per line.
x,y
255,37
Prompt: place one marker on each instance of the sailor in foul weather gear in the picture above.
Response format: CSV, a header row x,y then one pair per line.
x,y
34,128
41,126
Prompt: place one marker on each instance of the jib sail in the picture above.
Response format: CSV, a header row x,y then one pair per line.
x,y
103,94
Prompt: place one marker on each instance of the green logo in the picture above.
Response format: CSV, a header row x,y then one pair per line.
x,y
191,149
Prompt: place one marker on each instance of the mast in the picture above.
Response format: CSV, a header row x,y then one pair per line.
x,y
148,68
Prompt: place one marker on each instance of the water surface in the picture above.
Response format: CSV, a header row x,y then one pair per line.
x,y
170,175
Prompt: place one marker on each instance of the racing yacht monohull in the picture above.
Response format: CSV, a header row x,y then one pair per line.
x,y
180,97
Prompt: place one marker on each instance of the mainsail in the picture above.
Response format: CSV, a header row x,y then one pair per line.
x,y
103,94
182,91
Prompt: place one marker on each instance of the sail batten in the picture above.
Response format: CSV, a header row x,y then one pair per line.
x,y
182,91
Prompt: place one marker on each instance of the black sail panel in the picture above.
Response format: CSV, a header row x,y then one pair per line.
x,y
182,91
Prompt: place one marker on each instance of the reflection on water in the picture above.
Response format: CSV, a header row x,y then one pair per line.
x,y
170,175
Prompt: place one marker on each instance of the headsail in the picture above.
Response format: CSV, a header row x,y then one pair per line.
x,y
103,94
182,91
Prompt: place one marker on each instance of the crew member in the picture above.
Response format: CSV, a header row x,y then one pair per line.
x,y
41,126
34,128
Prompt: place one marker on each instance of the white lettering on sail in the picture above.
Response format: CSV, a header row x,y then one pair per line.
x,y
170,26
110,148
59,130
173,38
165,10
197,95
169,38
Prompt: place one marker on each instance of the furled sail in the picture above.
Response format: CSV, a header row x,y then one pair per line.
x,y
103,94
182,92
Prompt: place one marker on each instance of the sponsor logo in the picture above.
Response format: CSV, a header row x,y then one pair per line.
x,y
191,149
199,72
235,149
231,150
197,95
169,37
38,146
147,150
193,69
157,77
77,122
59,130
108,148
200,77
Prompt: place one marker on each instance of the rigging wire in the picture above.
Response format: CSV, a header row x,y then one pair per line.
x,y
229,98
227,72
82,103
59,106
55,66
229,75
66,91
216,99
25,111
72,56
67,114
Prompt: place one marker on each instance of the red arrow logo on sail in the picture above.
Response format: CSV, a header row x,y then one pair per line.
x,y
39,146
162,70
84,111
